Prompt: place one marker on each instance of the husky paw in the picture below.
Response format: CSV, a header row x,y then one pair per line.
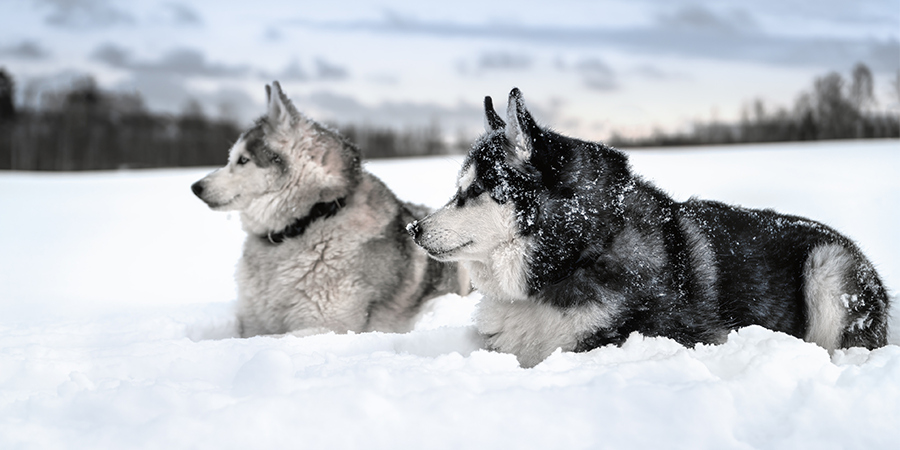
x,y
506,332
528,352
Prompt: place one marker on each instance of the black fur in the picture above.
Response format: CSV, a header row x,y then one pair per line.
x,y
602,234
494,121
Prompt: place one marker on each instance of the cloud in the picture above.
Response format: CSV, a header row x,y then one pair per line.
x,y
162,82
28,50
161,92
235,105
597,74
465,117
189,62
294,71
272,34
84,14
165,93
328,71
655,73
500,60
695,18
497,60
112,55
183,62
688,31
384,79
182,14
329,106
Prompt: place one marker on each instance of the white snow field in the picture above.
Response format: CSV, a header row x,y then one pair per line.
x,y
117,332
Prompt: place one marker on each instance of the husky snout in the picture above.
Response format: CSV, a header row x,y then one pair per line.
x,y
414,230
426,239
441,241
208,193
197,188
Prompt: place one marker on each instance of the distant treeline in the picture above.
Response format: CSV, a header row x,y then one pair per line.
x,y
390,143
86,128
833,109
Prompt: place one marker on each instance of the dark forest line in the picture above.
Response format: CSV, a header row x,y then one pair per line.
x,y
86,128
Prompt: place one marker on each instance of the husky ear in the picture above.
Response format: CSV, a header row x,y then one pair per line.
x,y
281,110
492,120
521,129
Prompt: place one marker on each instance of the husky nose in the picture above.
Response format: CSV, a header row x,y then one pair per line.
x,y
413,229
197,188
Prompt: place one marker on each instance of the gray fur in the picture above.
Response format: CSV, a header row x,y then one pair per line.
x,y
356,270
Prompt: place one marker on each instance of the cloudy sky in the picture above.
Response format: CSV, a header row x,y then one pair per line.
x,y
586,67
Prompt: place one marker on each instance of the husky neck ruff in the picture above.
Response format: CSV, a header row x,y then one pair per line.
x,y
322,210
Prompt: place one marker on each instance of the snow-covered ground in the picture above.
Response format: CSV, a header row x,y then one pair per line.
x,y
117,325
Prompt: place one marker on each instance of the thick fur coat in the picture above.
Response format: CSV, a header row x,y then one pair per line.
x,y
572,250
326,248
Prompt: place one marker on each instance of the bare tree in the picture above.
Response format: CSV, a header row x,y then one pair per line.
x,y
861,88
7,116
895,87
7,93
835,113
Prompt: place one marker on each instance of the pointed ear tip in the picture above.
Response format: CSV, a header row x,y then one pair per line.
x,y
276,87
517,101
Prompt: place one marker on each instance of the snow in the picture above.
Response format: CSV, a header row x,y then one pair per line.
x,y
117,325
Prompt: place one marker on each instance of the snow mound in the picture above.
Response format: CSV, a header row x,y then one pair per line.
x,y
117,331
142,381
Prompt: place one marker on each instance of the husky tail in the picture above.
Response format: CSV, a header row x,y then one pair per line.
x,y
846,303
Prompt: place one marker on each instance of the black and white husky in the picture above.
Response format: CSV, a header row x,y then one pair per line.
x,y
572,250
326,248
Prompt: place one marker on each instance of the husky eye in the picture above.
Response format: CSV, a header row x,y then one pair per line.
x,y
475,190
243,160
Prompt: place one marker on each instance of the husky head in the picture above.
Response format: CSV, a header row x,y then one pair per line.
x,y
526,200
280,168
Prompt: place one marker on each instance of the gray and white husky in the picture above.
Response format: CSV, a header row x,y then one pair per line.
x,y
326,248
572,250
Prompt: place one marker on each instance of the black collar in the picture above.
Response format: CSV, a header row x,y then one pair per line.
x,y
297,227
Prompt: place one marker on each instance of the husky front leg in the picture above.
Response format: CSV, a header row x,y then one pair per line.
x,y
532,330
